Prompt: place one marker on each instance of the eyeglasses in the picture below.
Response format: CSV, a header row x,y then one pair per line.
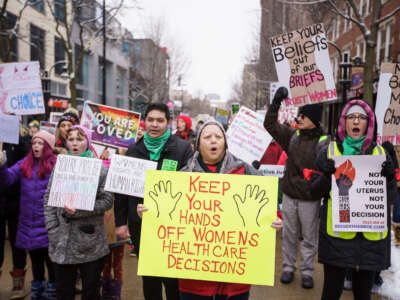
x,y
354,117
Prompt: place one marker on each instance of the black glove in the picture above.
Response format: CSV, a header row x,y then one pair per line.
x,y
344,184
388,169
329,168
280,95
256,164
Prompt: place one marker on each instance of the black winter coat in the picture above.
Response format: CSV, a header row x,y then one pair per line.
x,y
357,253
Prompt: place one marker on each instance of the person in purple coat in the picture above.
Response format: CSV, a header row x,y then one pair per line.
x,y
34,172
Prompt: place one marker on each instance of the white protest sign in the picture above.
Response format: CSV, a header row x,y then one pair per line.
x,y
272,170
303,66
127,175
9,129
247,137
21,88
287,113
98,149
55,117
359,194
387,108
75,182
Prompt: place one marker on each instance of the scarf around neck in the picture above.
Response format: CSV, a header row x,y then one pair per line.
x,y
352,146
156,145
87,153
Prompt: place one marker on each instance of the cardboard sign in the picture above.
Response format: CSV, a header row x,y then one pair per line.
x,y
9,129
303,65
222,116
209,227
359,199
272,170
48,126
75,182
21,88
55,117
127,174
247,137
110,125
388,104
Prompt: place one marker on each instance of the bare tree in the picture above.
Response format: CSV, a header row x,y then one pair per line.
x,y
79,22
155,81
350,11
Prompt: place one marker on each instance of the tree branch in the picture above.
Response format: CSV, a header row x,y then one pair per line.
x,y
384,18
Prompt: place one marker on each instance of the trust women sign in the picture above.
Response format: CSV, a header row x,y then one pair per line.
x,y
303,66
209,227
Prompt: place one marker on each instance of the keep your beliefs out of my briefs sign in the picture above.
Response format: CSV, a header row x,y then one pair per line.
x,y
359,201
209,227
75,182
303,65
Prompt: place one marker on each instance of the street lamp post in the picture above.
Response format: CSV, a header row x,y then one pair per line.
x,y
46,84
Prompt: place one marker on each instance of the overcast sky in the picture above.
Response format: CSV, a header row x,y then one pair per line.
x,y
216,35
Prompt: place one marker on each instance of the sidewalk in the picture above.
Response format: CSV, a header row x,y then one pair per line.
x,y
132,287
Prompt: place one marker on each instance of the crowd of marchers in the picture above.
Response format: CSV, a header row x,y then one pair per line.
x,y
69,249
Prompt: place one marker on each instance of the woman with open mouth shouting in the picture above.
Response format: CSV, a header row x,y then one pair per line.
x,y
77,239
34,171
364,253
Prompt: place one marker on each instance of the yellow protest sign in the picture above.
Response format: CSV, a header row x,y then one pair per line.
x,y
209,226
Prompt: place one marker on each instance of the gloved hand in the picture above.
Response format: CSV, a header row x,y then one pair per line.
x,y
344,184
329,167
388,169
280,95
3,158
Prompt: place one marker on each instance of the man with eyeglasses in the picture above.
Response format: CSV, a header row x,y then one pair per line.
x,y
300,210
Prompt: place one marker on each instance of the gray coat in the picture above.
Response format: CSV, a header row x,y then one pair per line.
x,y
72,239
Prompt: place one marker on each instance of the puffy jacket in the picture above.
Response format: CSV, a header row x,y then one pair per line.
x,y
9,197
359,252
31,233
78,238
230,165
301,154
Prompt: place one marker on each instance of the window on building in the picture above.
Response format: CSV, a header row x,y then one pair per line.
x,y
37,45
37,4
58,88
347,23
59,55
360,49
59,12
384,42
334,63
126,48
334,30
136,49
9,45
83,74
338,26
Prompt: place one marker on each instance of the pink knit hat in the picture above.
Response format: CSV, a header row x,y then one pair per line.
x,y
45,136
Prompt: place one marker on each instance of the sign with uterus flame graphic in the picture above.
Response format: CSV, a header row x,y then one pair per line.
x,y
359,194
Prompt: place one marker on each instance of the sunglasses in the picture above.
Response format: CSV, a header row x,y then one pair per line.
x,y
359,117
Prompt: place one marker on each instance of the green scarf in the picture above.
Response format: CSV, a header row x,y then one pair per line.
x,y
87,153
352,146
155,145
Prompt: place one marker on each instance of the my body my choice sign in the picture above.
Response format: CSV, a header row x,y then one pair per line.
x,y
209,227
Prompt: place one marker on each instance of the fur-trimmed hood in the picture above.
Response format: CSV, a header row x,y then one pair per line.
x,y
371,129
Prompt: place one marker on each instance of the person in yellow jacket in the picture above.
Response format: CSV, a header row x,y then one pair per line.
x,y
362,252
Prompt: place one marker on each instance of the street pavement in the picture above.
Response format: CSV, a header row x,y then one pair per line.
x,y
132,286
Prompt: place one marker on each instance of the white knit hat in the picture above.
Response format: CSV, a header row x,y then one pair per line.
x,y
356,109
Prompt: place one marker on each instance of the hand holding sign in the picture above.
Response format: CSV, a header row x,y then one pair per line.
x,y
251,205
164,199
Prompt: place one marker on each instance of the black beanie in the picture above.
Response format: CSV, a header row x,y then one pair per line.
x,y
313,112
69,116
